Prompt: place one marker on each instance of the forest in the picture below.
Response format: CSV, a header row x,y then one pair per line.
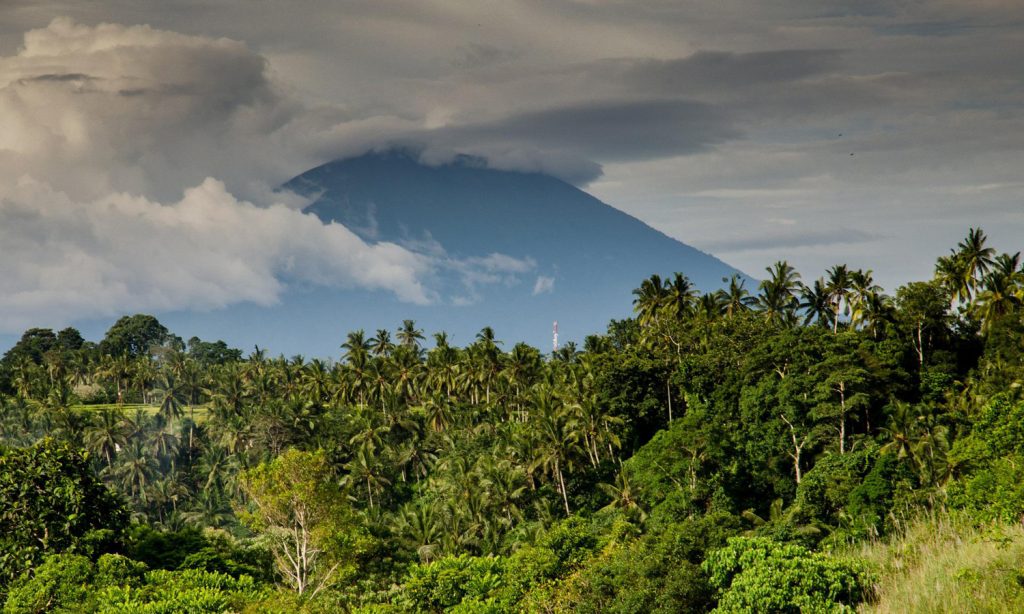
x,y
805,445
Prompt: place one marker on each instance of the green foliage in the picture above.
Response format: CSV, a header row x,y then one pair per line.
x,y
190,591
492,478
314,536
59,584
134,336
52,501
761,575
445,583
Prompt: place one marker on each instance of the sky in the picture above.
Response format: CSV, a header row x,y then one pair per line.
x,y
138,137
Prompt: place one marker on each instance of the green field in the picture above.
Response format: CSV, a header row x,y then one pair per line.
x,y
198,413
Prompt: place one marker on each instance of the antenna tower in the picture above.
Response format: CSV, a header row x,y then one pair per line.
x,y
554,338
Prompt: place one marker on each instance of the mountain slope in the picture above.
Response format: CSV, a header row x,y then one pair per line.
x,y
582,256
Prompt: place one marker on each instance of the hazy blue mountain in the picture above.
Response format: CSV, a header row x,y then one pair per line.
x,y
591,254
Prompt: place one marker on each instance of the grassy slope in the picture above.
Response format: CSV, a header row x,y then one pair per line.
x,y
941,564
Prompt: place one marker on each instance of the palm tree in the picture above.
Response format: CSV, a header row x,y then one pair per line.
x,y
838,287
365,469
777,298
863,287
107,435
420,526
651,296
681,296
356,347
977,259
409,336
736,298
951,273
557,439
381,344
143,372
711,306
623,496
901,430
816,302
135,470
171,398
1001,293
163,443
874,311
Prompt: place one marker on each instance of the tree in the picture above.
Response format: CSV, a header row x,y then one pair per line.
x,y
381,344
51,501
409,336
682,295
976,258
107,434
134,336
294,501
755,574
922,309
777,299
651,297
839,286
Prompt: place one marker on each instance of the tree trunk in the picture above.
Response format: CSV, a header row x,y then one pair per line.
x,y
797,448
842,417
668,391
561,485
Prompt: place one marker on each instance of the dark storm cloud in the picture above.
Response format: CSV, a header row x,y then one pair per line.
x,y
61,77
613,130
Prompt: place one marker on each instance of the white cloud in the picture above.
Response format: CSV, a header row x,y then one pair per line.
x,y
67,259
543,284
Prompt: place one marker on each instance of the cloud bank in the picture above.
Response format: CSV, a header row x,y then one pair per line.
x,y
137,169
123,253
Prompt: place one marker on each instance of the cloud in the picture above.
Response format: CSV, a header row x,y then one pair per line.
x,y
543,285
774,240
628,130
926,93
75,259
138,170
111,108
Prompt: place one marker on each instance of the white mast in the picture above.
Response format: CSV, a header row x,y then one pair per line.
x,y
554,339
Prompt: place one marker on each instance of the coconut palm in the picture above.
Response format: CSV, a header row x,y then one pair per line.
x,y
409,336
736,298
838,286
681,296
816,302
651,297
107,434
135,470
381,344
1000,293
171,398
976,258
777,297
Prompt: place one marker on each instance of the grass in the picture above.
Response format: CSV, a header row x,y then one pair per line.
x,y
199,413
943,563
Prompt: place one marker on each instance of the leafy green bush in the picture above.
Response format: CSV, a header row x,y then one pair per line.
x,y
59,584
445,583
52,501
762,575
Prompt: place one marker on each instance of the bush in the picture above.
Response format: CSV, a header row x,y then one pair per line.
x,y
762,575
59,584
